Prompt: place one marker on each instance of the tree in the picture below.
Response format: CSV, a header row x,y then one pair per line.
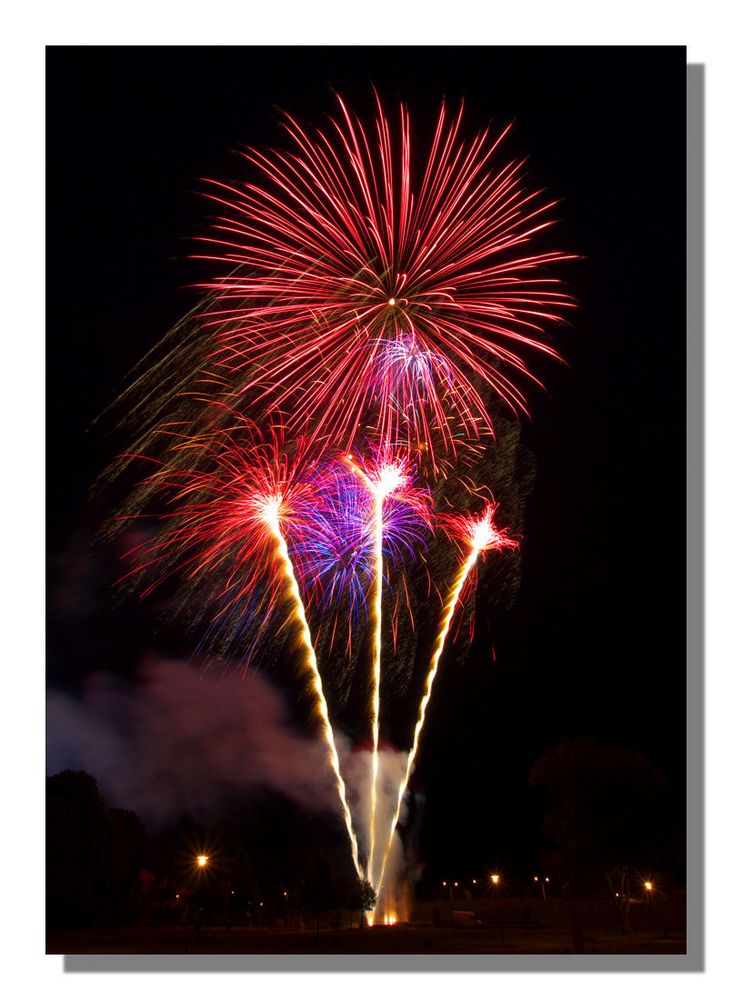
x,y
93,854
367,895
605,813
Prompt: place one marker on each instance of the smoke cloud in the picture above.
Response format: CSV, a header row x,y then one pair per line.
x,y
178,740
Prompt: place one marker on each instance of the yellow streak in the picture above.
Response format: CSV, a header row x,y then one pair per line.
x,y
317,685
447,614
376,670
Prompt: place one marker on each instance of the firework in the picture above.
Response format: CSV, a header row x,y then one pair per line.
x,y
230,522
367,295
336,554
272,518
387,480
478,535
364,292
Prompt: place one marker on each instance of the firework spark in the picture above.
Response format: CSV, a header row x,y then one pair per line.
x,y
479,535
362,292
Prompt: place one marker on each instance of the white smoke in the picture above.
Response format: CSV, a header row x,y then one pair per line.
x,y
395,885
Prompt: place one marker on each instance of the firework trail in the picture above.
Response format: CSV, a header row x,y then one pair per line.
x,y
365,295
385,477
481,535
272,517
225,521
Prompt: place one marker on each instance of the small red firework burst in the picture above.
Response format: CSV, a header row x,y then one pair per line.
x,y
224,493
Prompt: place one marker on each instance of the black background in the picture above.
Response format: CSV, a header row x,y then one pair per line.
x,y
596,643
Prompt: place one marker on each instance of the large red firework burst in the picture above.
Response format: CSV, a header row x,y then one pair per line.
x,y
364,294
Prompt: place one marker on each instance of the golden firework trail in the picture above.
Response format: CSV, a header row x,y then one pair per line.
x,y
445,622
316,682
382,477
376,670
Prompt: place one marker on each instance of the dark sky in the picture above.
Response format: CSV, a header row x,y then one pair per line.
x,y
595,644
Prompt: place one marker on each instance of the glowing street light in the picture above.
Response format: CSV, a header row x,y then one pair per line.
x,y
202,860
495,879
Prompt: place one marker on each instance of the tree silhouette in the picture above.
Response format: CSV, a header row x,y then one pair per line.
x,y
93,854
606,813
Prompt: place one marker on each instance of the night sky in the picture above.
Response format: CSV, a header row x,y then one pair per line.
x,y
595,643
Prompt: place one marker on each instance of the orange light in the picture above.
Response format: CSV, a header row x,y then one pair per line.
x,y
495,879
202,860
648,886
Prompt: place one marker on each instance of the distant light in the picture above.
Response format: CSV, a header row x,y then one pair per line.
x,y
444,883
536,878
648,886
495,879
392,302
202,860
475,881
546,879
455,884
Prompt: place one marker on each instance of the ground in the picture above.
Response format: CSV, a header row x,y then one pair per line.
x,y
658,930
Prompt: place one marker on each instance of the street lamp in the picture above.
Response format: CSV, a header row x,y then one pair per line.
x,y
495,879
202,860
